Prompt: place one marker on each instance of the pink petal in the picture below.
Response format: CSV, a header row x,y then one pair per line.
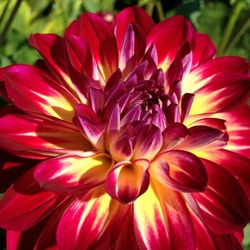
x,y
162,220
88,217
180,170
33,91
25,204
128,180
47,237
73,173
35,138
220,201
148,142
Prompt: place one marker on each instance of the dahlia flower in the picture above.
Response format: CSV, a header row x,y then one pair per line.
x,y
126,135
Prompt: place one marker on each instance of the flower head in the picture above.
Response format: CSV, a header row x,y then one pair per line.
x,y
130,135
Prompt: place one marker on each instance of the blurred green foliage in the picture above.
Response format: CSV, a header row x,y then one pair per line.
x,y
226,21
51,16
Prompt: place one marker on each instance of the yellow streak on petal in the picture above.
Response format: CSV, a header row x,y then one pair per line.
x,y
165,64
91,168
145,209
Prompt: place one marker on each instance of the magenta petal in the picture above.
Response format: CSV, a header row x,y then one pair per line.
x,y
90,125
88,217
38,139
203,49
25,204
175,32
180,170
34,91
162,220
203,136
220,201
174,135
73,173
134,15
148,142
128,180
79,54
121,147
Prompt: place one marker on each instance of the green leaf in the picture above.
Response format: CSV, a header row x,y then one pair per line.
x,y
246,241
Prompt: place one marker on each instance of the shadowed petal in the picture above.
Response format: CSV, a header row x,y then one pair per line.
x,y
174,135
35,138
121,147
25,204
128,180
53,50
220,201
180,170
204,138
11,167
73,173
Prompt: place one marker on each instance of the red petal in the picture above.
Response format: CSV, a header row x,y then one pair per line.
x,y
223,203
53,50
35,138
238,124
25,204
236,164
213,70
73,173
204,138
79,54
88,217
33,91
162,220
181,170
175,30
132,15
12,167
99,35
24,239
203,49
127,180
174,135
220,93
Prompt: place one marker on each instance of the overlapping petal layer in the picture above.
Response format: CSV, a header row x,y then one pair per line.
x,y
126,135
